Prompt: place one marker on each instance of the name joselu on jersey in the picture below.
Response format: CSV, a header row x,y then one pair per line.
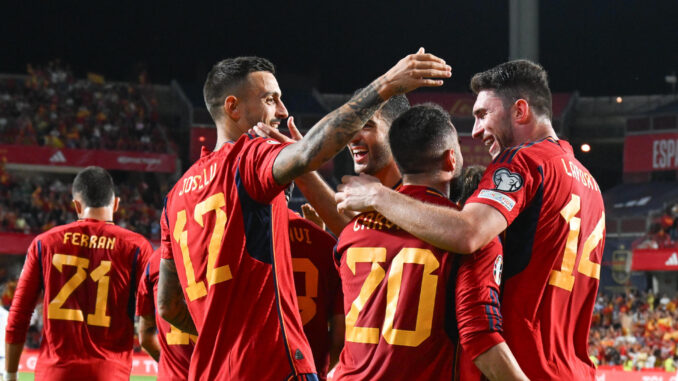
x,y
194,182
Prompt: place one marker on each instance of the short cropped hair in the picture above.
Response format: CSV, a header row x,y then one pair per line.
x,y
95,186
520,79
393,107
464,185
226,75
420,136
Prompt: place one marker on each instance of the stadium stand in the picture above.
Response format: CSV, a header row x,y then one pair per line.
x,y
49,107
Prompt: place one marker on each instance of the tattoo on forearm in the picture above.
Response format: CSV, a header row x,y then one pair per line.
x,y
328,136
171,299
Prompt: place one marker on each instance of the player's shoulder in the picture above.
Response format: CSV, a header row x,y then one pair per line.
x,y
128,236
54,233
535,152
318,233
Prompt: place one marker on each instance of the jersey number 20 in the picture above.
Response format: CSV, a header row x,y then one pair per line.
x,y
429,283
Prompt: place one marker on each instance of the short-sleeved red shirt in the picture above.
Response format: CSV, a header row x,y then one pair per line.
x,y
89,271
225,225
176,347
553,249
403,299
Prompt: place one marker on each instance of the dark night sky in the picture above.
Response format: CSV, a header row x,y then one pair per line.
x,y
597,47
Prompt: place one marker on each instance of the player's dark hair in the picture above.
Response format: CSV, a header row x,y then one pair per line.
x,y
226,75
420,136
393,107
464,185
95,187
513,80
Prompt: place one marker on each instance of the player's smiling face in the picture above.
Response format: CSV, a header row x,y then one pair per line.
x,y
262,100
369,147
492,122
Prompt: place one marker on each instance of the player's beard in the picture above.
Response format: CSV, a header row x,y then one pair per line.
x,y
378,158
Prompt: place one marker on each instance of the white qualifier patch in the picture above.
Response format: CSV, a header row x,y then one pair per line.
x,y
498,268
505,201
507,181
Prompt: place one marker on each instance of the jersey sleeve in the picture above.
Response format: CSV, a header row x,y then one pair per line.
x,y
477,299
145,252
26,295
508,185
165,240
256,169
145,305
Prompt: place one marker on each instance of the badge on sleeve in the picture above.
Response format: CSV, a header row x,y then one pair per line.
x,y
507,181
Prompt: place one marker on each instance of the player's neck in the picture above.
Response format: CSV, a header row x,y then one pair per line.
x,y
541,130
102,214
438,180
226,132
389,175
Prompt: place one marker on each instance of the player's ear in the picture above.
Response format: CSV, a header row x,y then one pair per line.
x,y
232,107
78,207
116,204
449,160
521,111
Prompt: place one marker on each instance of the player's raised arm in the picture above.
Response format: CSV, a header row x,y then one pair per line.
x,y
333,132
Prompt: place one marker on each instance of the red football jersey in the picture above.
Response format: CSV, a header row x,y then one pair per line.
x,y
553,248
89,271
225,226
318,286
400,298
176,346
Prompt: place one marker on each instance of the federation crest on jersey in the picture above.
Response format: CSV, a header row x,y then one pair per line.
x,y
498,267
507,181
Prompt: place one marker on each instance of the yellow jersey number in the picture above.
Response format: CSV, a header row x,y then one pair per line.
x,y
564,278
429,283
55,309
196,288
307,306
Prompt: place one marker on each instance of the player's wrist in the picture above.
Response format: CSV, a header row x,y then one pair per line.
x,y
9,376
383,88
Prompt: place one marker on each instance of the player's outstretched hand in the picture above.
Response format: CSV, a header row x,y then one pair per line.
x,y
415,70
266,131
357,193
310,214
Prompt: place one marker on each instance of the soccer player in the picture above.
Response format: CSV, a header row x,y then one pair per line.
x,y
398,290
169,346
318,291
225,231
89,271
371,155
548,206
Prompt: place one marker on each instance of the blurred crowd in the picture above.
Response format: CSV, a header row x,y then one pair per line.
x,y
35,204
663,231
636,330
52,108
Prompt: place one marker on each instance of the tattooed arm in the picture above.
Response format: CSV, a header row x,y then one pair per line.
x,y
171,303
333,132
